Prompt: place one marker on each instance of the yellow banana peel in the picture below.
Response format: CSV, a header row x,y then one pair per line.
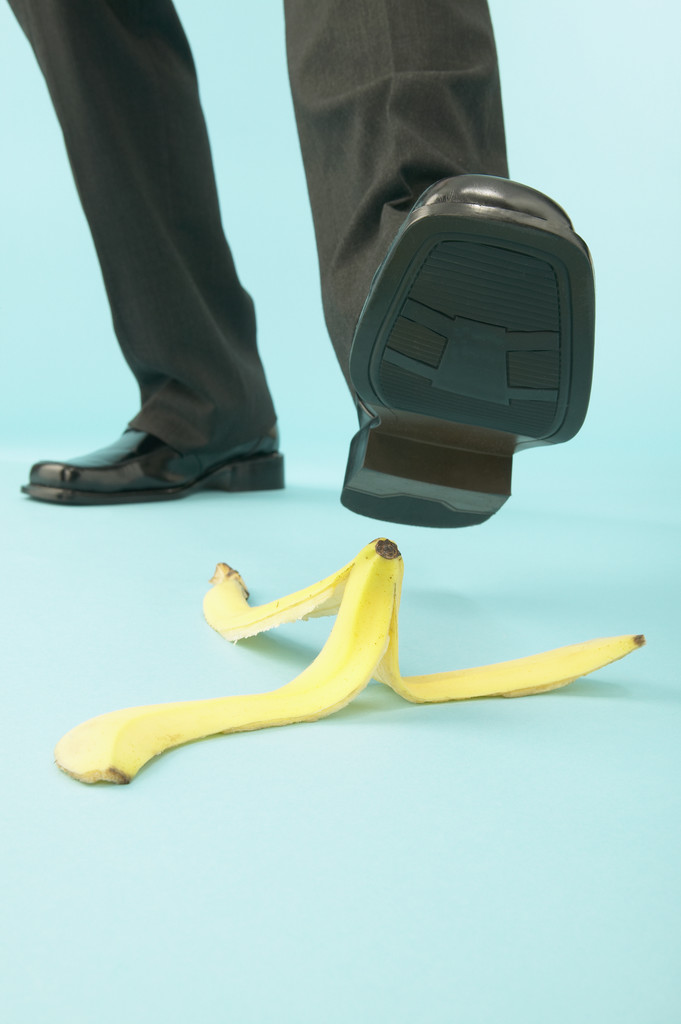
x,y
363,644
227,610
113,747
518,678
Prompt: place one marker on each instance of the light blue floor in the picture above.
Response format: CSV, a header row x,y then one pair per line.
x,y
494,862
488,861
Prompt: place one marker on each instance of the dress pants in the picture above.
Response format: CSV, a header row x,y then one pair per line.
x,y
389,97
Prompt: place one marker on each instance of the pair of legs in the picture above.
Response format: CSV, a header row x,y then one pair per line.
x,y
390,97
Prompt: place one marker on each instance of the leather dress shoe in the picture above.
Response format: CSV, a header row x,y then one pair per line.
x,y
475,341
140,467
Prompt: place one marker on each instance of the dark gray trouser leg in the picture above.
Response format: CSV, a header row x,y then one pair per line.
x,y
122,80
390,96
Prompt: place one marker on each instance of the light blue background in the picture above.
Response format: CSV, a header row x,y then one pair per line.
x,y
484,862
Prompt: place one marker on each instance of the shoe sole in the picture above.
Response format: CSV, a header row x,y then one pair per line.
x,y
476,340
260,473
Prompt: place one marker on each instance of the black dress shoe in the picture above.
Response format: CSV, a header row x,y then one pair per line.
x,y
139,467
475,341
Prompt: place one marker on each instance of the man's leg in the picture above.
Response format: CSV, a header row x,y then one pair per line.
x,y
123,83
390,96
464,324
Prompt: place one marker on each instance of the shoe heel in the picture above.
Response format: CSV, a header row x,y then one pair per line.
x,y
262,473
412,480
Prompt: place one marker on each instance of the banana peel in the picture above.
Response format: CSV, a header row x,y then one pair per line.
x,y
363,644
114,746
227,610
